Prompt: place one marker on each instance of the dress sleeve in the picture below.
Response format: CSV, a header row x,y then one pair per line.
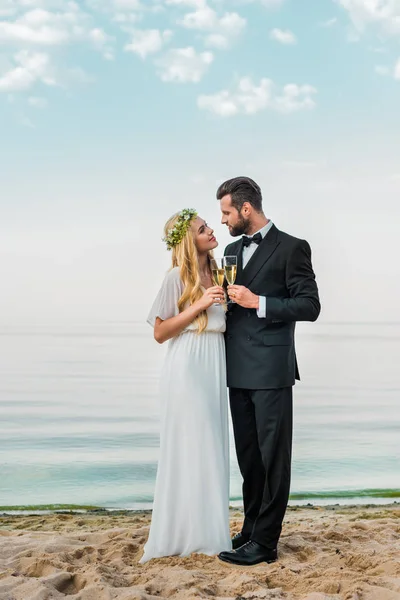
x,y
165,305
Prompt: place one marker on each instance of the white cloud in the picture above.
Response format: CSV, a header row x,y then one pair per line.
x,y
125,18
384,70
207,19
329,22
396,73
33,31
231,23
102,42
148,41
268,4
221,30
184,65
7,8
204,17
31,67
250,98
127,5
216,40
190,3
385,13
37,102
40,27
295,97
283,36
98,36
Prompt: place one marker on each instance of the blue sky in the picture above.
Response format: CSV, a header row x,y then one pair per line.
x,y
116,113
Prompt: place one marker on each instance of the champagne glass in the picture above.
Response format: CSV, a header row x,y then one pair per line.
x,y
218,273
230,268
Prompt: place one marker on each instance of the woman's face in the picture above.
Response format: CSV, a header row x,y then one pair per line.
x,y
203,236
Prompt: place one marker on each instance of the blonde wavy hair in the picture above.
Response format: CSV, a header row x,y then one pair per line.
x,y
184,256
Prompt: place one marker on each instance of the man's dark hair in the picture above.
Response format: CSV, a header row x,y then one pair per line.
x,y
241,190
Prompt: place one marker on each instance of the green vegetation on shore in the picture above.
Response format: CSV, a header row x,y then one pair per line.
x,y
336,495
52,507
347,494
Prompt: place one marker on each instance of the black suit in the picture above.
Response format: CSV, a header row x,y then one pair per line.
x,y
262,368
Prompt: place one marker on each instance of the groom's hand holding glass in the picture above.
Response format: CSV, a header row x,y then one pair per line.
x,y
243,296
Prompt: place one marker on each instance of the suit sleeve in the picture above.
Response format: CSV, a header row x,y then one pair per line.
x,y
302,304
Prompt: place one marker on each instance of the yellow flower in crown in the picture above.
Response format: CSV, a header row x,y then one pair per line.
x,y
178,232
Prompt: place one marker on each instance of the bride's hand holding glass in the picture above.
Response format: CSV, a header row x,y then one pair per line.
x,y
212,295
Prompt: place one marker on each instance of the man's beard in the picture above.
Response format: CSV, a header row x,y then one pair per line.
x,y
241,227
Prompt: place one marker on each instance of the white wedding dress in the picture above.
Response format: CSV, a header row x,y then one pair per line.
x,y
191,499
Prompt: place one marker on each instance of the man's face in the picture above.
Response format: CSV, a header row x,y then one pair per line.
x,y
237,223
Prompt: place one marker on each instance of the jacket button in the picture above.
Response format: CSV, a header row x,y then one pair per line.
x,y
248,338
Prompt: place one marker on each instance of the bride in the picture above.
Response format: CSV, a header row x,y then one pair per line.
x,y
191,499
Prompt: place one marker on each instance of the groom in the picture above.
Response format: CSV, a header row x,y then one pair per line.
x,y
275,287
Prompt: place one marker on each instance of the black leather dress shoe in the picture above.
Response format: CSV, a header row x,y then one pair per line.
x,y
239,539
249,554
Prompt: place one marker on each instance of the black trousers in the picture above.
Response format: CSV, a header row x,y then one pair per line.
x,y
262,424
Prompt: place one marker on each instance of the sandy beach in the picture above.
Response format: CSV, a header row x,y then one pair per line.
x,y
332,553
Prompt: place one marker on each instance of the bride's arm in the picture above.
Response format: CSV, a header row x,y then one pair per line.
x,y
165,330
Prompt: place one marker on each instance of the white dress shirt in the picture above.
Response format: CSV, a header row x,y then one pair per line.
x,y
248,252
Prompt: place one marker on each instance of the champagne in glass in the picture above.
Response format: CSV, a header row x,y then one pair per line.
x,y
218,273
230,268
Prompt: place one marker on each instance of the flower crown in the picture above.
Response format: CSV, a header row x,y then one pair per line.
x,y
178,232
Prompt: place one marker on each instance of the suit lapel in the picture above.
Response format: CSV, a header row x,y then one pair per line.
x,y
264,251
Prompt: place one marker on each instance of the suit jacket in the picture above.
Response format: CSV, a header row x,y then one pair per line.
x,y
261,352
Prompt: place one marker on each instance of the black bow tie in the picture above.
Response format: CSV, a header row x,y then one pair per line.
x,y
257,239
